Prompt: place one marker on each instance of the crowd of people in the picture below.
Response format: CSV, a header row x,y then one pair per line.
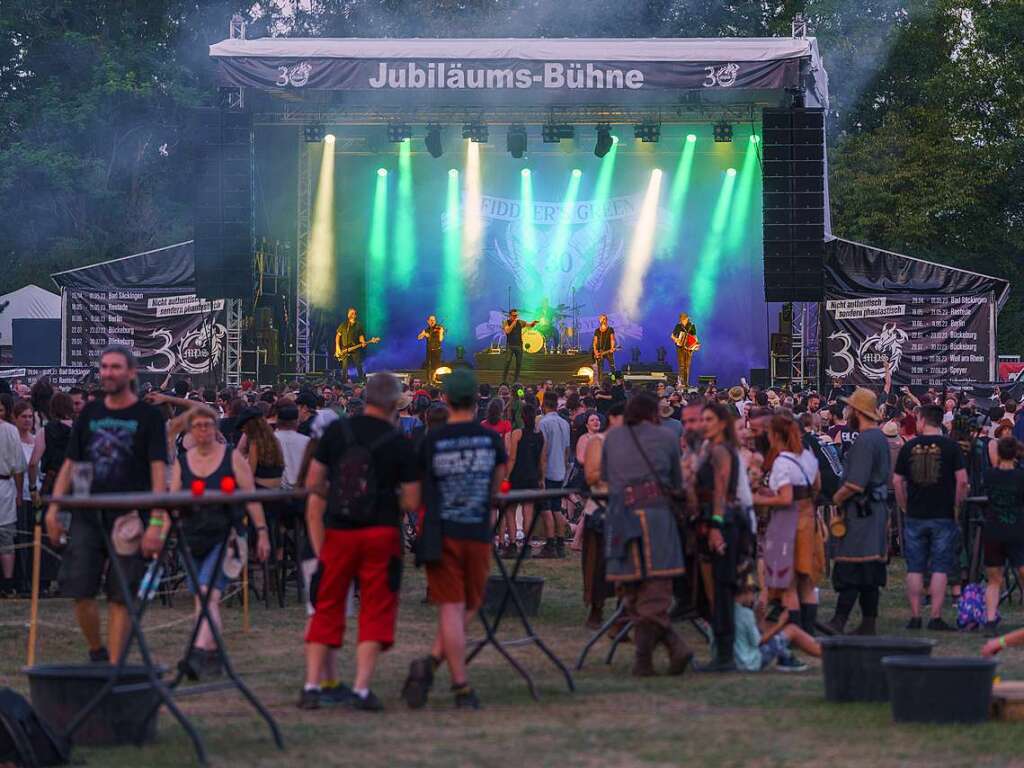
x,y
724,506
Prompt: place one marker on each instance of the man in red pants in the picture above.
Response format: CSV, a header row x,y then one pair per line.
x,y
362,477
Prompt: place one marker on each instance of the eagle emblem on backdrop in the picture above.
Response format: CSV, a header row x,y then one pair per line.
x,y
592,245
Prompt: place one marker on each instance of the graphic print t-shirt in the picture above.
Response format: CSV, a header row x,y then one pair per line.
x,y
929,464
458,463
1004,516
120,444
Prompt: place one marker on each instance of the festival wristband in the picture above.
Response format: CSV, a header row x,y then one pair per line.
x,y
156,522
717,521
1002,641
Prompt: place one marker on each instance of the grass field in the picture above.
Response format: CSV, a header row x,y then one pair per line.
x,y
613,719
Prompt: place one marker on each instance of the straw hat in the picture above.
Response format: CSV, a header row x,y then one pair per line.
x,y
863,401
891,429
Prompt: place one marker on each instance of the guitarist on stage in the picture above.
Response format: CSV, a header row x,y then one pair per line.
x,y
604,347
684,336
350,334
434,335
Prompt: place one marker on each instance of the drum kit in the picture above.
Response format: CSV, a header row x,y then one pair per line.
x,y
556,333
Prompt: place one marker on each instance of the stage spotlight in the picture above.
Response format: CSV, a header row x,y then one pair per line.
x,y
553,133
586,372
329,138
475,132
525,172
691,137
313,133
723,132
398,132
382,171
648,132
453,173
444,370
754,139
577,172
730,172
515,142
604,140
433,141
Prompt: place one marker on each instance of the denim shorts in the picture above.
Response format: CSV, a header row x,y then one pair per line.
x,y
776,648
931,542
206,576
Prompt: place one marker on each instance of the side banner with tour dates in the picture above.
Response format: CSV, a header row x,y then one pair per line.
x,y
928,340
169,334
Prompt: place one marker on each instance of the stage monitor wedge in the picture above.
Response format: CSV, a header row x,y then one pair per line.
x,y
222,149
793,203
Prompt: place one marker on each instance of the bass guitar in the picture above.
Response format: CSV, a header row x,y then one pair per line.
x,y
346,351
606,353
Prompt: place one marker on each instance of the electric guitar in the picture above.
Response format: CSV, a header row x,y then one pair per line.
x,y
606,353
346,351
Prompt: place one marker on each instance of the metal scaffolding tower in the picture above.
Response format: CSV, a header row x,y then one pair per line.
x,y
303,361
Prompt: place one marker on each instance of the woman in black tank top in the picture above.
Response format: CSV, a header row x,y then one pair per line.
x,y
526,453
205,530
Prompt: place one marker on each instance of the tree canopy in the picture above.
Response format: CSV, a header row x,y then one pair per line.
x,y
926,131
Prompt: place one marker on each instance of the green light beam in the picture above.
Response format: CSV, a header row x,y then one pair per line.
x,y
376,273
705,280
452,301
745,190
528,239
405,220
553,270
599,201
678,193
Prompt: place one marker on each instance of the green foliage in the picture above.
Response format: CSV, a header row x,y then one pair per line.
x,y
927,111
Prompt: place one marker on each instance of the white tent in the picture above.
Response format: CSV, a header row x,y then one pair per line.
x,y
29,302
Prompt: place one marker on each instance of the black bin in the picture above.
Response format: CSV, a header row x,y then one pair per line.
x,y
853,664
529,589
61,691
940,689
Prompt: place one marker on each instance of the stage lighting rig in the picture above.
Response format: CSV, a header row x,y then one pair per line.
x,y
433,141
398,132
648,132
723,132
604,140
475,132
552,133
516,141
313,133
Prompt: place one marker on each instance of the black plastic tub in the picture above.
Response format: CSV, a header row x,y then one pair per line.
x,y
939,689
853,664
61,691
529,589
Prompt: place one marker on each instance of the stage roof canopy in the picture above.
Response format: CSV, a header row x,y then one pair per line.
x,y
580,67
169,269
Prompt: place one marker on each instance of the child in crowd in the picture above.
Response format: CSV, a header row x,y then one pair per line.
x,y
762,640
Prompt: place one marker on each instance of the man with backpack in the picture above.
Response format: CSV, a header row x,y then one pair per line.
x,y
362,478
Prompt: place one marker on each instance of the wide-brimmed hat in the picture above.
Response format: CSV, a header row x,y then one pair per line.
x,y
736,393
891,429
405,401
863,401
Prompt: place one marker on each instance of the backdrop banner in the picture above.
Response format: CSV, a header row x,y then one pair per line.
x,y
168,333
936,324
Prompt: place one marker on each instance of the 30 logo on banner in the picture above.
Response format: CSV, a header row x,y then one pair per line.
x,y
871,355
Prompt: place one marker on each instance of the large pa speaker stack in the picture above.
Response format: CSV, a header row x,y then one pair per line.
x,y
794,203
222,141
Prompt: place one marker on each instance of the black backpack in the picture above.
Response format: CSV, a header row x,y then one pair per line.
x,y
25,739
829,465
353,492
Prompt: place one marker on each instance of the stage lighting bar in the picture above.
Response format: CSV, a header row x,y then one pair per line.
x,y
515,142
475,132
604,140
432,140
552,133
648,133
398,132
723,132
313,133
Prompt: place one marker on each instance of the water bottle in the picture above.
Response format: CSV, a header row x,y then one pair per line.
x,y
151,580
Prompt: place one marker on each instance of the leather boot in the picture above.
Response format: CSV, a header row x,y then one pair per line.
x,y
867,626
644,637
679,653
837,625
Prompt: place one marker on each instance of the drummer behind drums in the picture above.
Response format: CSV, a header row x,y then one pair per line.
x,y
684,336
604,347
513,328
